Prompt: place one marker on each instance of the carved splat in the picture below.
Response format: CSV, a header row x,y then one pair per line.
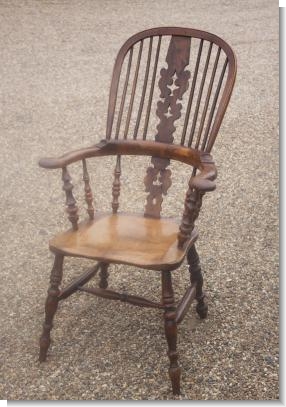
x,y
157,182
71,209
173,84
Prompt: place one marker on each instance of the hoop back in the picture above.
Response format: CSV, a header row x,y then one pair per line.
x,y
186,76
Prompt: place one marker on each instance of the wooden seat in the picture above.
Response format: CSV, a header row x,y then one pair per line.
x,y
125,238
182,78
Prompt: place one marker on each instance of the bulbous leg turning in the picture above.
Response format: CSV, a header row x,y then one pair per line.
x,y
51,305
196,277
171,330
103,274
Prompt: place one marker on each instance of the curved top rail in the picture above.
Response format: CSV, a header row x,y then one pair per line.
x,y
183,32
178,31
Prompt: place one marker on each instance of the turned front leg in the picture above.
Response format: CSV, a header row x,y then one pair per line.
x,y
171,330
103,274
51,305
196,276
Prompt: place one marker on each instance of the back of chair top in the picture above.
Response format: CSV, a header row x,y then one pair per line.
x,y
195,71
184,75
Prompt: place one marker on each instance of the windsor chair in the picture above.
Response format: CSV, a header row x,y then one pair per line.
x,y
175,70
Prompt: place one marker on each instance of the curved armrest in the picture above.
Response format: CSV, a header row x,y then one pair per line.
x,y
200,160
125,147
204,181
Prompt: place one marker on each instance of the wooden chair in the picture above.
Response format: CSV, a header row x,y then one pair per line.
x,y
164,71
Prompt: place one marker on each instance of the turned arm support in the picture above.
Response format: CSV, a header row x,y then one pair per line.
x,y
198,185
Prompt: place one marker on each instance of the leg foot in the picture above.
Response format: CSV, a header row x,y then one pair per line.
x,y
202,308
103,274
171,330
51,305
196,277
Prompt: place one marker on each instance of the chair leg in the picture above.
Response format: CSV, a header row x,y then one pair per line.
x,y
196,276
103,274
51,305
171,330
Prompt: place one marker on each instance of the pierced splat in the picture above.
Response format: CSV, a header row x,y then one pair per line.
x,y
173,87
169,113
157,182
173,84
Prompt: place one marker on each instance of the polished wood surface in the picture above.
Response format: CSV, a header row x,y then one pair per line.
x,y
171,329
51,305
78,282
222,93
125,238
179,80
123,297
127,147
158,178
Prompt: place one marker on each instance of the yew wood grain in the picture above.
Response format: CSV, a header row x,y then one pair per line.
x,y
126,147
203,81
127,239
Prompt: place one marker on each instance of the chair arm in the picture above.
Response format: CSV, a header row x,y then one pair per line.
x,y
204,181
201,183
190,156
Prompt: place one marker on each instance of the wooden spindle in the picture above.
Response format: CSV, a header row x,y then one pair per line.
x,y
214,104
144,89
124,94
116,185
152,89
203,117
193,203
87,191
133,91
200,94
190,102
71,208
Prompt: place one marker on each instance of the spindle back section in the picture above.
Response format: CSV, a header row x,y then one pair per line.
x,y
185,77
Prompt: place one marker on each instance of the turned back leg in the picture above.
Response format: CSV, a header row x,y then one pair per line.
x,y
51,305
103,274
197,277
171,330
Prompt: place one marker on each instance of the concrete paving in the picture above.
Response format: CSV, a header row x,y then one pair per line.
x,y
56,64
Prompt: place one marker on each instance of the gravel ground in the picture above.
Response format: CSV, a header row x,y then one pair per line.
x,y
56,64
